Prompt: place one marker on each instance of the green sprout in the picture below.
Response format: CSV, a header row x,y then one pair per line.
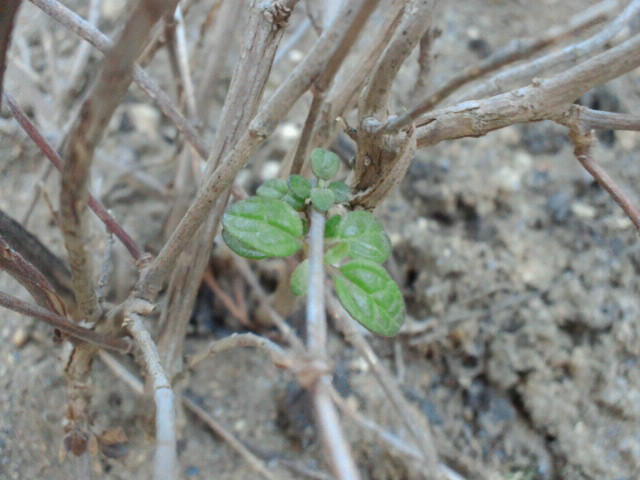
x,y
273,224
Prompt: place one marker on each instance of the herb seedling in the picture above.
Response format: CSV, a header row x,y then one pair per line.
x,y
274,224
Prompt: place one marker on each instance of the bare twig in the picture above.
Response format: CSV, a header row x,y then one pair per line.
x,y
8,12
518,49
327,420
63,324
81,56
226,21
387,438
578,116
36,254
276,353
382,160
30,278
251,278
571,54
183,62
216,427
543,99
239,313
97,109
112,225
343,93
136,385
166,455
245,93
323,83
415,423
582,143
91,34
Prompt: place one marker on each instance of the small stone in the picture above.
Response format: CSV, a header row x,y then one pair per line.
x,y
583,210
269,170
19,337
113,9
144,118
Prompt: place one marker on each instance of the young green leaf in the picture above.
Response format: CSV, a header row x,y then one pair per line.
x,y
341,190
370,295
322,198
300,279
365,236
260,227
273,188
300,187
240,248
331,226
336,253
325,164
294,202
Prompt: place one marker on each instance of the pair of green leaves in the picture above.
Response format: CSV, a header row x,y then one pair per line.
x,y
270,225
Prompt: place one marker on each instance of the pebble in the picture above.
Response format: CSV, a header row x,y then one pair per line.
x,y
583,210
19,337
144,118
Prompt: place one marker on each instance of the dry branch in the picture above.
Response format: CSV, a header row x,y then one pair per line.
x,y
415,423
543,99
243,98
517,50
571,54
138,388
35,253
382,160
582,143
97,109
324,81
166,455
8,12
64,325
112,225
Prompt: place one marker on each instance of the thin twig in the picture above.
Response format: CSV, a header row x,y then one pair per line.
x,y
183,62
111,223
8,12
81,56
30,278
586,119
323,83
335,444
245,93
416,424
227,18
138,388
251,278
582,143
571,54
278,356
63,324
166,455
39,256
235,310
543,99
387,438
517,50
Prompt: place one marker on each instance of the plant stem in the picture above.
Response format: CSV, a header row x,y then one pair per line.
x,y
333,439
166,455
64,325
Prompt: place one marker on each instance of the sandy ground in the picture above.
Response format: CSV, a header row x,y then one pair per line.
x,y
520,275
